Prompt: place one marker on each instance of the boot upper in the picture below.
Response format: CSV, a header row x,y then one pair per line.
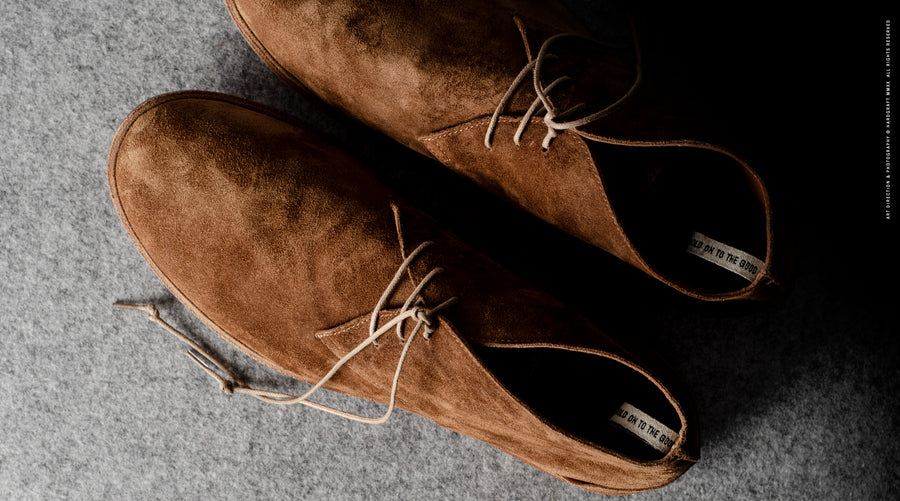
x,y
283,244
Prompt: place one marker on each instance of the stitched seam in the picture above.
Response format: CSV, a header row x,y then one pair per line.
x,y
341,329
456,130
445,157
598,181
460,128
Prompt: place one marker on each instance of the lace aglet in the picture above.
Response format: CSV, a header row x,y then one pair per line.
x,y
226,385
119,304
200,359
149,308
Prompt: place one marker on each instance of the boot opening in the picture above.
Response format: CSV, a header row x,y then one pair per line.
x,y
696,216
580,393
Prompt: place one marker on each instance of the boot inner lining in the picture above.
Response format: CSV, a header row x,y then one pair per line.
x,y
579,393
665,194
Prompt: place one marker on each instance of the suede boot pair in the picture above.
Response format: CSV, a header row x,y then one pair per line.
x,y
287,248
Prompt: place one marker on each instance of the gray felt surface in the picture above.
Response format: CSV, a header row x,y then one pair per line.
x,y
797,400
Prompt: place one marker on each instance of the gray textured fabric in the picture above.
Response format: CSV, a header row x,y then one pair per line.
x,y
796,401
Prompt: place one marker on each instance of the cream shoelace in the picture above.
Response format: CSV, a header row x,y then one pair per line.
x,y
425,321
554,118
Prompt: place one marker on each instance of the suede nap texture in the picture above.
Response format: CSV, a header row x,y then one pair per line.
x,y
386,63
272,237
796,401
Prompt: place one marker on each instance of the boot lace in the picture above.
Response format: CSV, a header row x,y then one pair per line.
x,y
556,119
412,309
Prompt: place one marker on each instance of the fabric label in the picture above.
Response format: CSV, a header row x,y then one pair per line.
x,y
726,256
656,434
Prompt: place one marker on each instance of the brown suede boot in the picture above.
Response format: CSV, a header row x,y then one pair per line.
x,y
291,251
608,162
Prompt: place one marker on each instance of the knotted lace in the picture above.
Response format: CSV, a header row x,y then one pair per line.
x,y
413,308
554,118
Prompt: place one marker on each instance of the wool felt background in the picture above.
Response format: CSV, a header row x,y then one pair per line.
x,y
797,400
